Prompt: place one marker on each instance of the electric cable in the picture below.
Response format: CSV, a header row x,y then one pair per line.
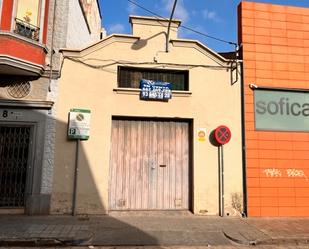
x,y
184,27
130,63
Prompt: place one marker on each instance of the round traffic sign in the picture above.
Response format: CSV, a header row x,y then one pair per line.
x,y
222,134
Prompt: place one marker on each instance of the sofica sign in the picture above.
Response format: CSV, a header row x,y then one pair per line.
x,y
281,110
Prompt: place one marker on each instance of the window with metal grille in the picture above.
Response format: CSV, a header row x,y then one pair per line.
x,y
14,159
129,77
27,19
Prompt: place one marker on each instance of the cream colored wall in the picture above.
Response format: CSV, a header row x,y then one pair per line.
x,y
148,27
212,101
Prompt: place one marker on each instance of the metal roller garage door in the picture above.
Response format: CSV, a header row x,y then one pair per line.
x,y
149,166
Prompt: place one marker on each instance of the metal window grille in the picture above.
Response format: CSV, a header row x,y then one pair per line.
x,y
19,90
129,77
26,29
14,153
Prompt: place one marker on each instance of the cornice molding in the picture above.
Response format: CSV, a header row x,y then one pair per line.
x,y
26,103
98,45
201,48
33,68
157,21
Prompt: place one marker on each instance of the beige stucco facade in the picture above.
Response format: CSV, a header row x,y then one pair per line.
x,y
89,80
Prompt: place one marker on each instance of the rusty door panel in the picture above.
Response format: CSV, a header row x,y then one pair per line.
x,y
149,165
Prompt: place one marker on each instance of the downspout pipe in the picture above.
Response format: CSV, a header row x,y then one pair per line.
x,y
169,28
243,131
52,47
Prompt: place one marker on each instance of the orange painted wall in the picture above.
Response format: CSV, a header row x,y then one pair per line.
x,y
18,48
45,25
276,54
22,50
6,15
7,12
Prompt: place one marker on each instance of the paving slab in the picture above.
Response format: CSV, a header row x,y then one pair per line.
x,y
282,230
157,229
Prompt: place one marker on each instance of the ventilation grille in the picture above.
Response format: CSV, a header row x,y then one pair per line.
x,y
19,90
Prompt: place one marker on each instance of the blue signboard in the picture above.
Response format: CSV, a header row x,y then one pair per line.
x,y
156,90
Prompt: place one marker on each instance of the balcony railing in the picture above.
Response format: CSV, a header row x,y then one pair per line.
x,y
26,29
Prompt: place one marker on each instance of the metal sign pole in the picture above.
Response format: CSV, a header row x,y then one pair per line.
x,y
222,136
74,202
78,129
221,184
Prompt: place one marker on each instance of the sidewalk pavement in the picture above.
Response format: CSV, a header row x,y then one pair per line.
x,y
151,229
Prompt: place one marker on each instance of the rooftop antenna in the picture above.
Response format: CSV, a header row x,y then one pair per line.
x,y
169,28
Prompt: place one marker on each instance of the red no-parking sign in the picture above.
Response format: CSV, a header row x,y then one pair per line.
x,y
222,134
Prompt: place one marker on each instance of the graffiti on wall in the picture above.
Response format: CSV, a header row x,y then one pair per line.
x,y
272,172
294,173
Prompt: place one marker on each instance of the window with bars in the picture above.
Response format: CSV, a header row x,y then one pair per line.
x,y
27,19
130,77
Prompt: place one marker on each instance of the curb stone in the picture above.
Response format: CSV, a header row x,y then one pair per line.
x,y
271,241
284,241
240,241
47,242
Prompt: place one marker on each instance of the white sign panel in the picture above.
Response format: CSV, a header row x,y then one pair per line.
x,y
79,124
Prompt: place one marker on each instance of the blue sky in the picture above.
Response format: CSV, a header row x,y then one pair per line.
x,y
216,18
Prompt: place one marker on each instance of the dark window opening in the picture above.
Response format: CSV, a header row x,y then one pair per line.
x,y
129,77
